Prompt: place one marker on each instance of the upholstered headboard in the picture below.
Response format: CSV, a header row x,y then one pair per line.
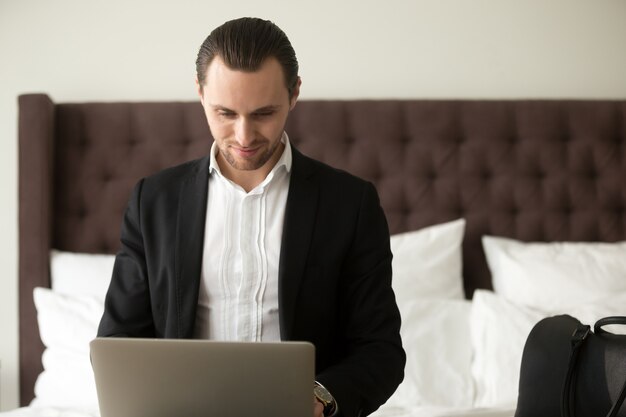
x,y
532,170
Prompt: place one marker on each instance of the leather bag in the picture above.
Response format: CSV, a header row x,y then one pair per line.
x,y
568,370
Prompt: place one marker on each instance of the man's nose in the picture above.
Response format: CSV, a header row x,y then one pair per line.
x,y
244,132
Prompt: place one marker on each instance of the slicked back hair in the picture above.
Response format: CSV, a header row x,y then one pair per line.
x,y
244,44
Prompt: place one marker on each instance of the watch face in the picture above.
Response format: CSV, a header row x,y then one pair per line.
x,y
323,394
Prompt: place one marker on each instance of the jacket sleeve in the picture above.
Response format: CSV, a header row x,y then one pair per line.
x,y
373,363
127,309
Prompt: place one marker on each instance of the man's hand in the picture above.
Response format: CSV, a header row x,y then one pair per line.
x,y
318,408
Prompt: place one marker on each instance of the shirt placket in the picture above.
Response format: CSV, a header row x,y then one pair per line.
x,y
246,326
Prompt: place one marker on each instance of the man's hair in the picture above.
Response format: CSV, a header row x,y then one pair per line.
x,y
244,44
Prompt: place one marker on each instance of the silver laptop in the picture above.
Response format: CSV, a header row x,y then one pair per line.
x,y
202,378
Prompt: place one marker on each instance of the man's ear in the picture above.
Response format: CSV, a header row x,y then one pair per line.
x,y
295,94
199,90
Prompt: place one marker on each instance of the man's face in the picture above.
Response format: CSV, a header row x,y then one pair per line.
x,y
247,112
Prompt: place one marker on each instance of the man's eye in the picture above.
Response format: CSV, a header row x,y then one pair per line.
x,y
263,114
226,114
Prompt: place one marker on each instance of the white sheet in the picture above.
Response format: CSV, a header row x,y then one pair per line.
x,y
443,412
382,412
45,412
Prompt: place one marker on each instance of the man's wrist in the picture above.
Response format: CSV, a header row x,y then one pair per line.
x,y
326,399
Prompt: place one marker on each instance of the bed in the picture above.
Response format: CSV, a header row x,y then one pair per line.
x,y
517,179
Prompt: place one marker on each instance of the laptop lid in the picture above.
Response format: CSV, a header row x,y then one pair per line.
x,y
202,378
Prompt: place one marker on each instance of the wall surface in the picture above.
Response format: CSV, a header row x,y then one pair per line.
x,y
77,50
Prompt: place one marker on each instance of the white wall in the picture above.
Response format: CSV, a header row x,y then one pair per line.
x,y
145,50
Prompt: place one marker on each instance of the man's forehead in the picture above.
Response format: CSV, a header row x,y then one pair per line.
x,y
245,92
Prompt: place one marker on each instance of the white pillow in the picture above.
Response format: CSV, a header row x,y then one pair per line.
x,y
81,273
558,275
435,336
66,325
427,262
499,329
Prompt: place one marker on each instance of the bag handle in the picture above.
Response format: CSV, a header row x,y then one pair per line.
x,y
608,321
578,338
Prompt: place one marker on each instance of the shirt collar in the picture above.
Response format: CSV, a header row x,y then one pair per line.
x,y
285,159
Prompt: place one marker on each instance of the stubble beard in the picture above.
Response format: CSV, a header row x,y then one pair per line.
x,y
249,164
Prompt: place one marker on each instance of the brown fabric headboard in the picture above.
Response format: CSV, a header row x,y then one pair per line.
x,y
532,170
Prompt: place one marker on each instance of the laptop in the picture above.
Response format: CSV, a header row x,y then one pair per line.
x,y
202,378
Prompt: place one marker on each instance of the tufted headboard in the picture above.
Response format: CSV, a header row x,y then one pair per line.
x,y
532,170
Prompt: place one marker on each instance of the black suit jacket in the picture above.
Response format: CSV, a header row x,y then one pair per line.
x,y
334,274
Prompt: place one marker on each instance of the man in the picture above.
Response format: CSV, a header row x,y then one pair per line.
x,y
258,242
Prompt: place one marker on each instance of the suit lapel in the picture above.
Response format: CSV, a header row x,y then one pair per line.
x,y
189,246
297,232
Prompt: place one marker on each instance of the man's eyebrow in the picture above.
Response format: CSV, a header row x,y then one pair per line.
x,y
270,107
221,108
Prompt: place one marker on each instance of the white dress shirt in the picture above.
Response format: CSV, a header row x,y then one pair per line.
x,y
238,298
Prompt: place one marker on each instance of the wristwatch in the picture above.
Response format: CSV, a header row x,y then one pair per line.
x,y
326,398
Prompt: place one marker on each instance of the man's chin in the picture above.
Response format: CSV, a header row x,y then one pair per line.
x,y
246,164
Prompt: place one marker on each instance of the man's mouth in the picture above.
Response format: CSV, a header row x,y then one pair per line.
x,y
245,152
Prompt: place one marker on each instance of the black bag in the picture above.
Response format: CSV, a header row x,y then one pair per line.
x,y
569,371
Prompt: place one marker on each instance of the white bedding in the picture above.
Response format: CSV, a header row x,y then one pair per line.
x,y
444,412
383,412
45,412
463,356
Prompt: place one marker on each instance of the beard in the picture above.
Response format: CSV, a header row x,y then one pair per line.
x,y
265,152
